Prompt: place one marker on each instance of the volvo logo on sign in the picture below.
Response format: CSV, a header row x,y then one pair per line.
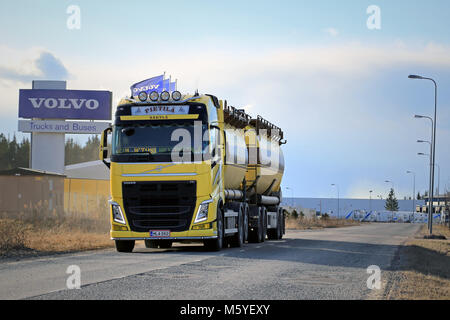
x,y
65,104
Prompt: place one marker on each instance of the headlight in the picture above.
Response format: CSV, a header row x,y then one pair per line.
x,y
202,213
176,95
154,95
117,213
143,96
165,95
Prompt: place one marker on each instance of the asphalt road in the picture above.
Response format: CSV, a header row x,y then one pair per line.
x,y
320,264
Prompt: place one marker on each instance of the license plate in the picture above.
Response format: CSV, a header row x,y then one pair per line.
x,y
159,233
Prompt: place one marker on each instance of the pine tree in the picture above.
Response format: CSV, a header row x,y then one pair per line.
x,y
391,202
15,153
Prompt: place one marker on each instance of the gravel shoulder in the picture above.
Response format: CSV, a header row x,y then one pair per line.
x,y
421,268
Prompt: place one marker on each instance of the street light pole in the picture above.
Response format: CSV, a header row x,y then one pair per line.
x,y
430,215
430,188
337,186
439,178
292,195
414,190
430,204
370,200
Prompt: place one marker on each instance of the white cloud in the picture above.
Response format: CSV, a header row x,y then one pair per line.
x,y
332,32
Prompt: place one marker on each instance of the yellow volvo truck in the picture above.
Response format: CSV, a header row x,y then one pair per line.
x,y
190,168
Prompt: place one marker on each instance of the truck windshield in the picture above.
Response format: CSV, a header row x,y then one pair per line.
x,y
160,143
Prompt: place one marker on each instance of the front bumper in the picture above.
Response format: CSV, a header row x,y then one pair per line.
x,y
175,236
170,238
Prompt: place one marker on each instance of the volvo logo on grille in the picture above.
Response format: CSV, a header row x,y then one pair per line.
x,y
159,168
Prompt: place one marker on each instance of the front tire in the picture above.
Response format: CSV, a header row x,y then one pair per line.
x,y
217,244
125,245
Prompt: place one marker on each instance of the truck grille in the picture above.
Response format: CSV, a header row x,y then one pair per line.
x,y
165,205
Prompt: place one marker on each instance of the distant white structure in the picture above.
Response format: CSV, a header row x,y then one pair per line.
x,y
87,170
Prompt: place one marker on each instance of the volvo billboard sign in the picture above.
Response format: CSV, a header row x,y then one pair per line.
x,y
65,104
44,111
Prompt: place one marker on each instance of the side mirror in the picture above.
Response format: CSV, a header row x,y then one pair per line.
x,y
103,152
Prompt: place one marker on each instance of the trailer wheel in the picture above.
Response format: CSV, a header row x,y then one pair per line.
x,y
125,245
255,235
280,224
238,239
246,212
217,244
263,224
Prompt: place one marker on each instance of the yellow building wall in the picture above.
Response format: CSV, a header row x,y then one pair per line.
x,y
86,198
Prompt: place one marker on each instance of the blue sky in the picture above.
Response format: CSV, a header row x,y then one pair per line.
x,y
339,90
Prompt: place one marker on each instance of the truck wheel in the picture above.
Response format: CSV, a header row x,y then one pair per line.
x,y
124,245
280,224
263,224
260,232
217,244
255,235
238,239
246,210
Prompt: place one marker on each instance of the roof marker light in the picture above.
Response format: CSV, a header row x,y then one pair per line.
x,y
176,95
154,96
165,95
143,96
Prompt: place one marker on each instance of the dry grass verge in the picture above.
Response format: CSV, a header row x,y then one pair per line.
x,y
32,236
422,268
311,223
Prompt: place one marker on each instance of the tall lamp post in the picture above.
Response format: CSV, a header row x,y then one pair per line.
x,y
292,195
430,203
337,186
430,187
430,214
370,200
414,190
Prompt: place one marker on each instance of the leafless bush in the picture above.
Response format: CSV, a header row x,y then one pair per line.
x,y
12,235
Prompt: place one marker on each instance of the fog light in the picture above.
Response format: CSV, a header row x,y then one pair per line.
x,y
119,228
204,226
